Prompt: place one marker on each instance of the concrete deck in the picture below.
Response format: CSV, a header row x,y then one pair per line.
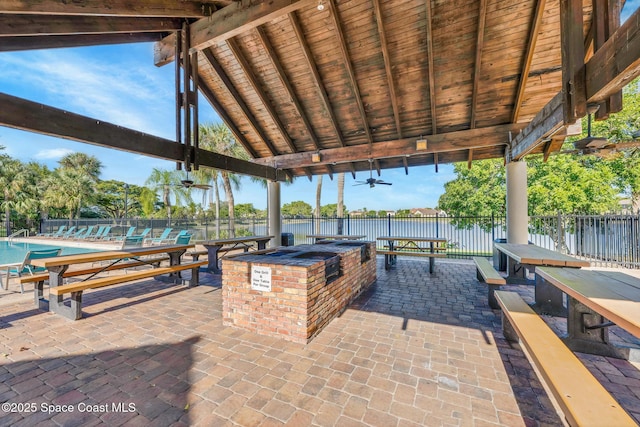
x,y
415,350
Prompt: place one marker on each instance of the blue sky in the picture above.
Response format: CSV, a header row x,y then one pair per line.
x,y
120,84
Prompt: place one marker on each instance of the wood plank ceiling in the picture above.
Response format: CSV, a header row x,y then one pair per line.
x,y
346,88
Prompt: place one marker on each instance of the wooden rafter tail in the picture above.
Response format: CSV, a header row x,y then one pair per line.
x,y
528,58
228,84
346,59
257,88
387,66
317,80
482,13
431,73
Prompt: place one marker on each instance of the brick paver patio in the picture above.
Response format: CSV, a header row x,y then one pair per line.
x,y
415,350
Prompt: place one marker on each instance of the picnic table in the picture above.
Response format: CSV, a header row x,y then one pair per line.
x,y
522,256
57,266
319,237
218,246
596,301
408,245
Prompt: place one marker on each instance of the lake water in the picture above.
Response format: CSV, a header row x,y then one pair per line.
x,y
14,252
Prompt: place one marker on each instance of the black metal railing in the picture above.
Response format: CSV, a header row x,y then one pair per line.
x,y
605,240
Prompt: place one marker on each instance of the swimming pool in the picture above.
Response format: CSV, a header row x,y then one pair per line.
x,y
14,252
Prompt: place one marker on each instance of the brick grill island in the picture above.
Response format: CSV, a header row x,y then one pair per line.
x,y
310,285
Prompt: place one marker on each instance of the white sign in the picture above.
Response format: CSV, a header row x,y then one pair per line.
x,y
261,278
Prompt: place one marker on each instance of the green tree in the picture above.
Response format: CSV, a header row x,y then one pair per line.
x,y
13,181
296,209
111,198
167,183
218,138
329,211
67,188
246,210
87,169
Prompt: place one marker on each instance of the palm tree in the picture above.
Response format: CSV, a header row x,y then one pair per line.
x,y
86,167
340,205
13,181
218,138
167,182
67,188
317,211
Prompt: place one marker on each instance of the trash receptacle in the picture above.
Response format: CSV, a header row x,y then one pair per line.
x,y
286,239
499,258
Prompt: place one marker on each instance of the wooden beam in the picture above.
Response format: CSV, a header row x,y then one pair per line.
x,y
30,116
528,57
45,25
605,21
317,80
159,8
616,63
387,66
572,47
346,59
446,142
229,22
273,56
611,68
257,88
12,44
431,74
226,81
482,13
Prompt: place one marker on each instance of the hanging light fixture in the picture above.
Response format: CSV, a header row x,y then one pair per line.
x,y
320,5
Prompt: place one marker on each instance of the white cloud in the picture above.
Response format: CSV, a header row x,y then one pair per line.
x,y
52,153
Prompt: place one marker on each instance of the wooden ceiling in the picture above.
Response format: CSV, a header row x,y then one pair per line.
x,y
349,87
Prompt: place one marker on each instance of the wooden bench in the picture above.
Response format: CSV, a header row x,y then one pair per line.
x,y
74,310
489,275
195,255
577,394
40,278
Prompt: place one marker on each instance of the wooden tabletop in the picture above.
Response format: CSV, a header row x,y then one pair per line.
x,y
336,236
413,239
536,255
614,295
107,255
233,240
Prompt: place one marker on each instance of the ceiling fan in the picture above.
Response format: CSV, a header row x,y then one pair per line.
x,y
188,183
371,180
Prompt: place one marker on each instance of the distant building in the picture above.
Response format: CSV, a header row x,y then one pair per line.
x,y
356,213
425,212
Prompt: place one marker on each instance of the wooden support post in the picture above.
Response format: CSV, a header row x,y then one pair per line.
x,y
573,73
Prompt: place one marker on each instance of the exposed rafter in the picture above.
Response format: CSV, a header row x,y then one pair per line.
x,y
453,141
228,22
387,65
226,81
46,25
160,8
346,58
9,44
572,44
528,57
30,116
273,57
257,88
431,74
482,13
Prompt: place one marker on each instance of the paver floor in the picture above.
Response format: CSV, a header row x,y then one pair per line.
x,y
414,350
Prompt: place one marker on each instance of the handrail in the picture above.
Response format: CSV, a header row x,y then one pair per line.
x,y
17,233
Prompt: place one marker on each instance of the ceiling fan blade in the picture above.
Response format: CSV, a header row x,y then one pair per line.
x,y
201,186
384,183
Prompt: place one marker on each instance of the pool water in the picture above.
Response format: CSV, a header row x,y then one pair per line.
x,y
14,252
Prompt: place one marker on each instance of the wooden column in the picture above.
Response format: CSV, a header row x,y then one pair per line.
x,y
573,71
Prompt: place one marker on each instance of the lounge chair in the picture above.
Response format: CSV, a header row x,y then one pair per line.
x,y
25,267
75,234
57,233
88,235
68,233
183,239
129,233
104,235
84,233
172,240
132,242
163,236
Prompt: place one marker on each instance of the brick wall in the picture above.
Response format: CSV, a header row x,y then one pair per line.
x,y
300,302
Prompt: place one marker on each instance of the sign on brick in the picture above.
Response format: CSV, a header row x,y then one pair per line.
x,y
261,278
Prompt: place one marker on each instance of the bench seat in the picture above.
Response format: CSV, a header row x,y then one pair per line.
x,y
577,394
74,311
412,253
486,273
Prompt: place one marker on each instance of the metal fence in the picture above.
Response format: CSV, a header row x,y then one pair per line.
x,y
605,240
